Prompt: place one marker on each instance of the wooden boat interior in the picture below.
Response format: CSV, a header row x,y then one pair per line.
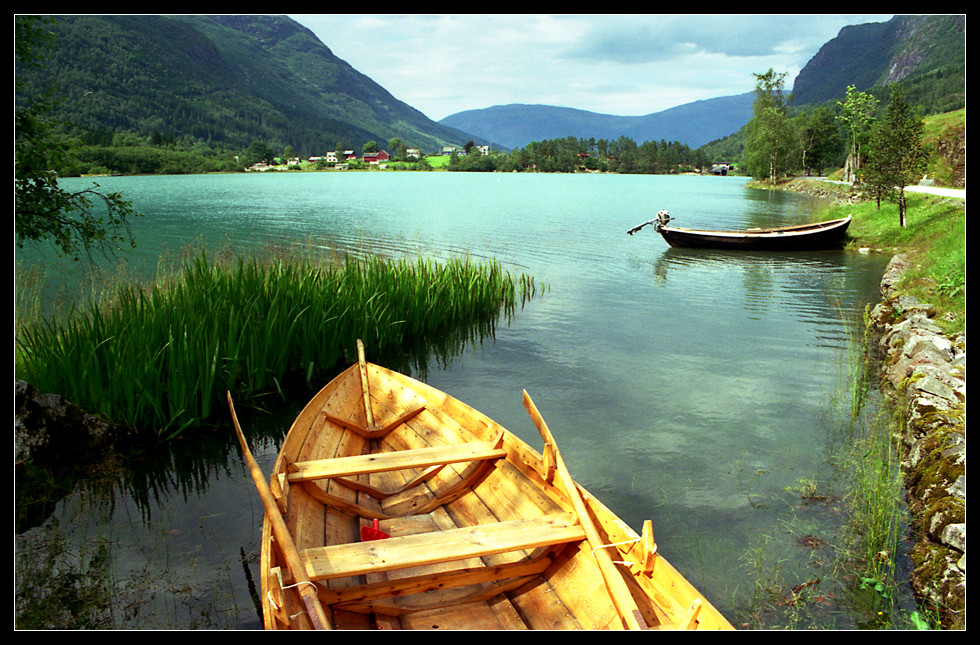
x,y
483,532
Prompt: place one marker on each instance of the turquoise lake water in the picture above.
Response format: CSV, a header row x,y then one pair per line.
x,y
688,387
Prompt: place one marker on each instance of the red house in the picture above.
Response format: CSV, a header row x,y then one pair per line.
x,y
375,157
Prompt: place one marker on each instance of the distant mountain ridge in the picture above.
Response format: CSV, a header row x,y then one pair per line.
x,y
227,80
232,80
694,124
905,48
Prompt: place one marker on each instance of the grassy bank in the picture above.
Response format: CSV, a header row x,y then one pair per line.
x,y
935,242
159,357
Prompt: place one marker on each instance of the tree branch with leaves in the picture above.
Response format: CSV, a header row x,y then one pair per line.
x,y
76,222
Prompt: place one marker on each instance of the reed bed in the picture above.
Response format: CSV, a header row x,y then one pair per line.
x,y
159,358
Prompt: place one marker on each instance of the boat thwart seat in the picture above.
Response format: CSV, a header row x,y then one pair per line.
x,y
397,460
398,502
358,558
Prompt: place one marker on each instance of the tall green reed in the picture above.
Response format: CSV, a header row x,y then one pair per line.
x,y
867,455
159,357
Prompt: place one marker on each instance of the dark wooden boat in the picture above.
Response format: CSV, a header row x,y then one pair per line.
x,y
817,236
393,505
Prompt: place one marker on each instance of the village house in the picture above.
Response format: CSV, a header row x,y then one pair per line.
x,y
375,157
450,150
334,157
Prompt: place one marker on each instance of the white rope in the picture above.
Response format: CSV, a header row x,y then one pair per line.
x,y
605,546
283,588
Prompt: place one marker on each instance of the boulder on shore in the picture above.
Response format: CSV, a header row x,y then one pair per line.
x,y
50,429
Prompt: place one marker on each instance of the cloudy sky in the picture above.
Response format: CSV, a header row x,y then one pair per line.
x,y
620,64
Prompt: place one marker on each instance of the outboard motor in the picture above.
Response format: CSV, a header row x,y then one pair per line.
x,y
662,218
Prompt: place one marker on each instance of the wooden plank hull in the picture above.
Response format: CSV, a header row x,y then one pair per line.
x,y
820,236
482,533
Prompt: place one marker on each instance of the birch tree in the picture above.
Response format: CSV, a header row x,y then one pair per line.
x,y
857,113
770,137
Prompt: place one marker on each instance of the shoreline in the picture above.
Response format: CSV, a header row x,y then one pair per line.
x,y
923,375
923,379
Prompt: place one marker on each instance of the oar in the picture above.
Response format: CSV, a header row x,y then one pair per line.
x,y
618,591
307,588
365,387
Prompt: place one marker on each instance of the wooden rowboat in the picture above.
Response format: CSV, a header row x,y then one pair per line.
x,y
478,530
817,236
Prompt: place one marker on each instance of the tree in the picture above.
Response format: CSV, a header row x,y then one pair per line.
x,y
818,137
396,147
857,113
769,140
876,182
895,150
43,210
258,152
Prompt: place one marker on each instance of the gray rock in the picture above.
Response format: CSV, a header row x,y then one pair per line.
x,y
954,535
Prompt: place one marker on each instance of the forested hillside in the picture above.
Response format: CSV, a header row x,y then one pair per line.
x,y
220,82
177,94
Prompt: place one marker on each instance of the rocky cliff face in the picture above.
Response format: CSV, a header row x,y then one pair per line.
x,y
911,52
924,42
878,54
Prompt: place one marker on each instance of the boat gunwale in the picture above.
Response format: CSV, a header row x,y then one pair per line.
x,y
662,584
780,232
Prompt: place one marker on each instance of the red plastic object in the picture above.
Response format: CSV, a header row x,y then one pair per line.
x,y
372,532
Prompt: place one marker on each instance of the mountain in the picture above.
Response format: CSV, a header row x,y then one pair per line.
x,y
694,124
905,48
926,53
225,80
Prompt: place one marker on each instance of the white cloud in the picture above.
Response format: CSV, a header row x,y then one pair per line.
x,y
615,64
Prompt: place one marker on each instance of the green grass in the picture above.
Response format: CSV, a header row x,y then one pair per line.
x,y
946,134
867,457
935,241
160,357
438,161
